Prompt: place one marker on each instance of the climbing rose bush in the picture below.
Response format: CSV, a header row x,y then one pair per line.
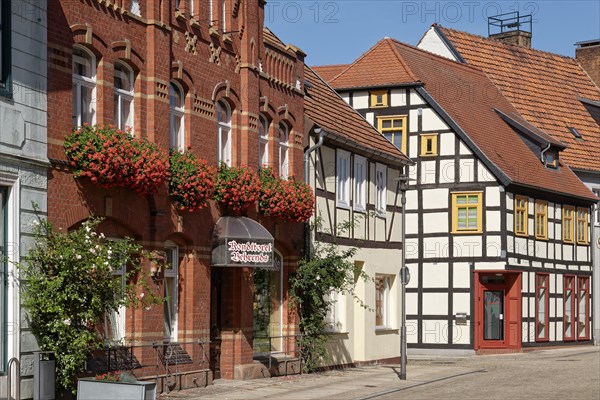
x,y
110,157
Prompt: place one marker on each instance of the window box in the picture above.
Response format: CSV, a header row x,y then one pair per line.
x,y
90,388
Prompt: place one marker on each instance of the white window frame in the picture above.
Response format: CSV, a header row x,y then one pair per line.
x,y
381,189
210,13
135,8
360,183
116,318
224,132
387,301
342,179
177,117
84,81
284,153
171,291
224,15
335,319
124,98
263,140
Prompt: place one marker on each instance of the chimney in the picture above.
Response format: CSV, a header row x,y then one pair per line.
x,y
588,56
511,28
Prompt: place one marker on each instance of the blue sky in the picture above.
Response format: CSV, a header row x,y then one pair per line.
x,y
334,32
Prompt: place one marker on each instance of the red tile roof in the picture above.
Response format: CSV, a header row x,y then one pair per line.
x,y
544,87
391,69
329,111
469,98
328,72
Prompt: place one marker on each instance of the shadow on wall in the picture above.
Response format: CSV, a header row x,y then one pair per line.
x,y
337,351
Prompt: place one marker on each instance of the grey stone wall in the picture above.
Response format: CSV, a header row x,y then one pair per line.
x,y
24,163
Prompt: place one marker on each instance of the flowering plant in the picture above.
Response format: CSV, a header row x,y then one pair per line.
x,y
191,182
108,377
236,187
110,157
71,287
289,200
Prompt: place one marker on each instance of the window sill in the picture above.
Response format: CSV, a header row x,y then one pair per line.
x,y
194,23
523,235
382,106
382,330
342,205
467,232
360,209
428,155
541,238
583,243
214,33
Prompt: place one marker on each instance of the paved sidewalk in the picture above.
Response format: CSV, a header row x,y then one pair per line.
x,y
351,383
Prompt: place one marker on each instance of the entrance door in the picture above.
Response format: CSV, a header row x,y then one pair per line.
x,y
497,310
268,311
493,315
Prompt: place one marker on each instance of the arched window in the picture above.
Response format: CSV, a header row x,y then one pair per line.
x,y
284,136
123,96
263,140
84,87
177,101
171,290
224,132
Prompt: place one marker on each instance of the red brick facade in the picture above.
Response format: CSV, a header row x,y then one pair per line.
x,y
246,67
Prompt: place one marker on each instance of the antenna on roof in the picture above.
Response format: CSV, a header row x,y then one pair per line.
x,y
511,28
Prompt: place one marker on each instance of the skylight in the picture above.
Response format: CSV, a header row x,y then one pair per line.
x,y
575,132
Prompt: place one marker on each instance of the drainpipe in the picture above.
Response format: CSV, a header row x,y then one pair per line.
x,y
543,155
321,134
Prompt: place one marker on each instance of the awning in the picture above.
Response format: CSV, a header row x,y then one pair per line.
x,y
242,242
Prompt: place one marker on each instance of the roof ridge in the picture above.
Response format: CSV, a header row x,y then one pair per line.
x,y
363,55
400,59
506,45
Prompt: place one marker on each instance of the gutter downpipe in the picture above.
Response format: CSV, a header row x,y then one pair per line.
x,y
321,133
542,155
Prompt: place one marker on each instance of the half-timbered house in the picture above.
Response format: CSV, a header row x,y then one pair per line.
x,y
558,96
355,172
498,225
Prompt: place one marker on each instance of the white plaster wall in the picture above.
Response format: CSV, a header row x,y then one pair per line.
x,y
435,303
484,174
466,170
435,332
435,198
447,174
345,97
412,328
509,201
412,224
468,246
432,122
360,100
487,265
461,275
435,222
582,253
462,333
370,117
434,44
446,144
463,149
412,302
413,149
461,303
412,199
414,276
521,245
567,253
428,172
415,98
493,221
413,122
435,247
492,196
397,97
494,246
412,246
435,275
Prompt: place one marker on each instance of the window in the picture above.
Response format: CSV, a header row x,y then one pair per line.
x,y
567,223
114,321
597,206
123,97
224,15
379,99
224,132
284,137
583,307
381,186
171,290
135,8
84,87
541,307
335,317
429,145
582,226
3,270
360,183
551,159
521,215
541,219
466,212
210,13
343,179
268,308
177,102
383,302
569,307
5,49
394,129
263,140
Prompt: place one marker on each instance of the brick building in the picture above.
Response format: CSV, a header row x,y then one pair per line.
x,y
183,74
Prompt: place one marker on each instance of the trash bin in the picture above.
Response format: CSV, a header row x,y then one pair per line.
x,y
44,375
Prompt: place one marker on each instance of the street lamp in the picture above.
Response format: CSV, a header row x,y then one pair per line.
x,y
404,276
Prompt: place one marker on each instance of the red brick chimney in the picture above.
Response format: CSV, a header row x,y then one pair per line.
x,y
588,56
511,28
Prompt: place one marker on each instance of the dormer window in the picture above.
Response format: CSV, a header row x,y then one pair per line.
x,y
575,133
379,99
551,159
